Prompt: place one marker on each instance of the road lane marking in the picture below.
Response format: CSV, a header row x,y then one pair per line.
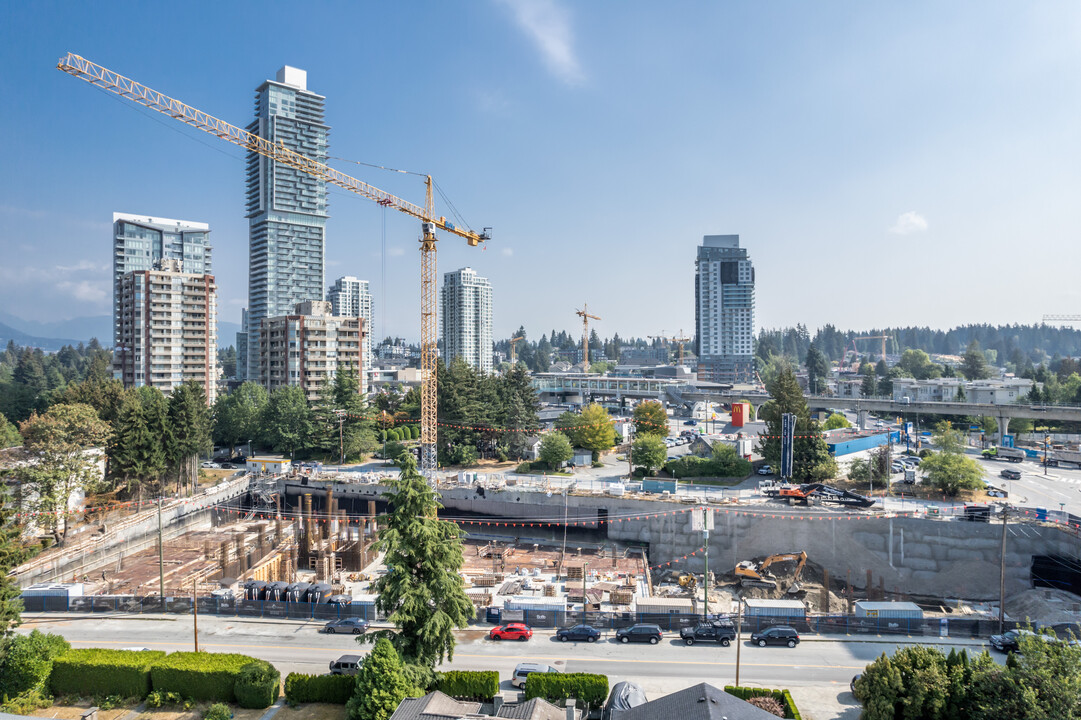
x,y
509,658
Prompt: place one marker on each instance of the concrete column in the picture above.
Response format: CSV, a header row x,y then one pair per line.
x,y
861,420
1003,428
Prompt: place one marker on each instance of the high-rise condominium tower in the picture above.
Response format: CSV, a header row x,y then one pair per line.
x,y
287,208
467,318
724,310
141,242
351,298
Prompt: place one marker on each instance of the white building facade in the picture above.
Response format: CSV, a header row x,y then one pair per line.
x,y
466,316
350,297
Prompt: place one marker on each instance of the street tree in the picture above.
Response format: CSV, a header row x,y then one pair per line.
x,y
949,469
918,364
597,432
60,443
238,414
287,420
975,365
381,685
421,593
555,449
649,453
650,418
836,421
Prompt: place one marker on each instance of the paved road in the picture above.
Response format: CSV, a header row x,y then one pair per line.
x,y
300,647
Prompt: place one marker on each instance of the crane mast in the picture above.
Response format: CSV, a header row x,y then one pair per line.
x,y
584,314
129,89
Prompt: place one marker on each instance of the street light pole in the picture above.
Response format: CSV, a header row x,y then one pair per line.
x,y
161,557
739,635
195,609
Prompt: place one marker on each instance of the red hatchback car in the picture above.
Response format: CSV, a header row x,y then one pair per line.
x,y
511,631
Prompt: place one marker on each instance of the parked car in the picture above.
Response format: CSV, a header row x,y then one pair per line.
x,y
765,470
1010,474
524,670
718,631
210,465
691,422
578,632
776,635
346,625
897,467
511,631
345,665
642,632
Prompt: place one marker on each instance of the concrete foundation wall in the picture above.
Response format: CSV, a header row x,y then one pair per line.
x,y
945,558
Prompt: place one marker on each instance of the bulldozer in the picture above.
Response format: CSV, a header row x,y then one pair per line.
x,y
756,574
688,582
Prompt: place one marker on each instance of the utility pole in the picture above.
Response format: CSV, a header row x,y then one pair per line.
x,y
195,608
585,600
1002,575
705,573
161,557
739,635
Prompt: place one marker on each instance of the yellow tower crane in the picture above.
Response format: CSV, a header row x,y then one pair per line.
x,y
136,92
584,314
679,341
513,342
883,338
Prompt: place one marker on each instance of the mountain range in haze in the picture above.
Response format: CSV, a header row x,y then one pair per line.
x,y
53,335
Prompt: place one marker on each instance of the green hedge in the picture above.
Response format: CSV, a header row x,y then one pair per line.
x,y
782,696
201,676
480,685
93,672
692,466
257,685
586,688
335,689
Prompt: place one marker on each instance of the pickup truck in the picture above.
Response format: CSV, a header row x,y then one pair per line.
x,y
717,631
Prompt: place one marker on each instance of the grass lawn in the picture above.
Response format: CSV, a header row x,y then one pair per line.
x,y
312,711
74,710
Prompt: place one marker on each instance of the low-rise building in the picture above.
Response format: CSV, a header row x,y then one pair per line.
x,y
988,392
307,348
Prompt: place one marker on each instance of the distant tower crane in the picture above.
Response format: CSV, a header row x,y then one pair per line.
x,y
136,92
584,314
883,338
513,342
1062,318
678,340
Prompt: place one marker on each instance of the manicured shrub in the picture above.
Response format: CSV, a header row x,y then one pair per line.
x,y
217,711
781,696
334,689
588,689
257,685
26,661
92,672
202,676
524,467
480,685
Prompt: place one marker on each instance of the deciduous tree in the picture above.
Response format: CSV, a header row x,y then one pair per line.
x,y
649,452
287,420
555,449
9,434
650,418
237,415
598,431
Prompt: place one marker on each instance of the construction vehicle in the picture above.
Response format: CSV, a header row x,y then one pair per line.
x,y
1007,454
688,582
757,574
584,314
1057,457
814,493
129,89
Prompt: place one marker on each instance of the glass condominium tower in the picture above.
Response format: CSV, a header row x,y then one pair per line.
x,y
724,310
287,209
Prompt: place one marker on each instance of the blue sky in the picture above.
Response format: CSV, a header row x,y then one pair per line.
x,y
884,163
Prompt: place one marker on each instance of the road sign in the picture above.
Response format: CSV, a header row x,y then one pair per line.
x,y
788,433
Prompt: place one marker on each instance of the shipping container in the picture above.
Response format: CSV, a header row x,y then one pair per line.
x,y
664,606
891,610
775,608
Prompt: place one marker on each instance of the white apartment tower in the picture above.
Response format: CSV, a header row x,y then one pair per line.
x,y
350,297
724,310
167,329
467,318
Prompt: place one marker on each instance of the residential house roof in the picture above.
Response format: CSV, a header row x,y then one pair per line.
x,y
698,702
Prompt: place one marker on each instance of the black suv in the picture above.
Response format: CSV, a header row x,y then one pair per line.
x,y
776,635
717,631
1010,474
640,633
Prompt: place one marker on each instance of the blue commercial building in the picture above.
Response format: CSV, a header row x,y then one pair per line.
x,y
287,208
847,444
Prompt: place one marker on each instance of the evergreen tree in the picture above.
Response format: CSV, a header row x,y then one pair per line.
x,y
818,370
189,424
811,460
136,455
9,434
975,365
237,415
381,685
421,593
12,553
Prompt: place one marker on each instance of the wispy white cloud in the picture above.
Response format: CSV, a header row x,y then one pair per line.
x,y
84,266
507,252
909,223
547,24
87,291
395,251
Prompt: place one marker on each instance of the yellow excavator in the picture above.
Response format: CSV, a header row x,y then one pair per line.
x,y
756,574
